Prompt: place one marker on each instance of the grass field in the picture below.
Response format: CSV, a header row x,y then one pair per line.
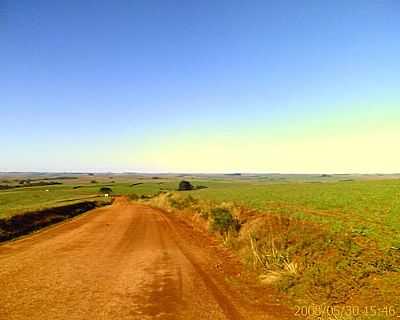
x,y
368,207
27,199
333,242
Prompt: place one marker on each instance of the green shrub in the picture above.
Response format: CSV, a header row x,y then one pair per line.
x,y
105,190
185,186
222,220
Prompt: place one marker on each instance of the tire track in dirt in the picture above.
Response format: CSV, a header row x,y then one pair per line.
x,y
223,301
126,261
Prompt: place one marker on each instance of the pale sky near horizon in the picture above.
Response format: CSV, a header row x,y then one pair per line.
x,y
200,86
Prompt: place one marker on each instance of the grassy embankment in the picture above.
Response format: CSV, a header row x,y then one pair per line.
x,y
336,242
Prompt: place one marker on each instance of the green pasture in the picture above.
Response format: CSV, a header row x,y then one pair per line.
x,y
21,200
364,207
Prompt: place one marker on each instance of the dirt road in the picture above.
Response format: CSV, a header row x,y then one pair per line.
x,y
126,261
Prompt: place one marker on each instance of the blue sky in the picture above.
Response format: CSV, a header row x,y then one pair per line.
x,y
200,86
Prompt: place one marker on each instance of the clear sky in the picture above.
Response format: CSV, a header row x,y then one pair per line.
x,y
200,86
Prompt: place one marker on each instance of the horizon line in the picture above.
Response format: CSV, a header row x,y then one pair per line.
x,y
199,173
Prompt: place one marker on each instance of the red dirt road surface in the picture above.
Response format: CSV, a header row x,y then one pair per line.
x,y
127,261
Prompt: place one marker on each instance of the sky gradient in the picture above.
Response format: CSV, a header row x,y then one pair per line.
x,y
200,86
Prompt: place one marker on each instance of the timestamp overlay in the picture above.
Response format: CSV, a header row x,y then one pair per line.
x,y
328,312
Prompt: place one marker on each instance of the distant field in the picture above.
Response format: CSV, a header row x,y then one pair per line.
x,y
31,199
363,205
25,199
367,207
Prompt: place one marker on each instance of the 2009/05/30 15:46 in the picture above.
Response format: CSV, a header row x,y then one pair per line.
x,y
332,311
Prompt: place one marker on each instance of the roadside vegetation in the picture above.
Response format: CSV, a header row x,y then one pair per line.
x,y
333,243
21,224
105,190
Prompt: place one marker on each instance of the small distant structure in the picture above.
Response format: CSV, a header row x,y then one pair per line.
x,y
106,195
47,190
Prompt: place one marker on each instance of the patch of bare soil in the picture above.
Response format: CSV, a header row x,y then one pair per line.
x,y
128,261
